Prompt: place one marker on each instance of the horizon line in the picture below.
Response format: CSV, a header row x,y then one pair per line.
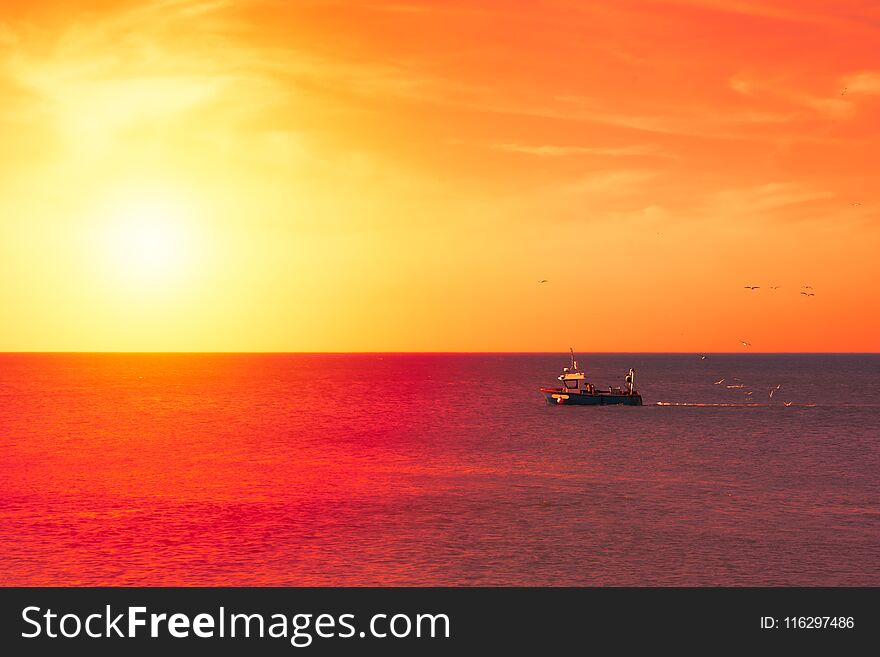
x,y
349,353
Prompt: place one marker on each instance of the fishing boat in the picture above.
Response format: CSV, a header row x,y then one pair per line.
x,y
577,390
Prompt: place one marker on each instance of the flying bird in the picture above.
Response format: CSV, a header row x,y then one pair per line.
x,y
752,287
718,383
775,287
807,287
855,205
746,344
702,357
543,280
843,92
772,390
788,403
809,294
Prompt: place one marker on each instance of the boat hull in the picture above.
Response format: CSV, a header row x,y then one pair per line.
x,y
562,397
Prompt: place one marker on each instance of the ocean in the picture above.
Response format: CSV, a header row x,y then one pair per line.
x,y
437,469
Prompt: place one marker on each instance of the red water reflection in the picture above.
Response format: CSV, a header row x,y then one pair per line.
x,y
338,470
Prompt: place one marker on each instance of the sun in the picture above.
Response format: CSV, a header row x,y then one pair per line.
x,y
149,237
149,240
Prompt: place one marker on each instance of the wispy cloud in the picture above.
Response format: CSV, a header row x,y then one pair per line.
x,y
827,16
611,183
685,119
866,82
833,105
757,200
149,51
550,150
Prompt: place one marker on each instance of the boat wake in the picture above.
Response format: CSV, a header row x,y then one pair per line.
x,y
742,405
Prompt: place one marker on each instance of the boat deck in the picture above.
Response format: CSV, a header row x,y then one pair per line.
x,y
594,398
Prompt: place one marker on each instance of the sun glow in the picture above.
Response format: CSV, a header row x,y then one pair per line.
x,y
149,238
284,176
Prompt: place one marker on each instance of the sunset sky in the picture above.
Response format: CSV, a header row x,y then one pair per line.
x,y
398,176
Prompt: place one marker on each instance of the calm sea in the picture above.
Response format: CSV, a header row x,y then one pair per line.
x,y
148,469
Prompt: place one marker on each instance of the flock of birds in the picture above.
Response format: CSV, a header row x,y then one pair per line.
x,y
735,383
806,290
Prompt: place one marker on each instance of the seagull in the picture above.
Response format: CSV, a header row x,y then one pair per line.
x,y
752,287
543,280
843,93
788,403
778,386
807,287
746,344
855,205
775,287
718,383
809,294
702,357
771,393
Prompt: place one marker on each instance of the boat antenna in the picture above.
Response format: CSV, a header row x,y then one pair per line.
x,y
573,364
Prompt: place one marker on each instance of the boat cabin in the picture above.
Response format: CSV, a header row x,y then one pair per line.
x,y
575,381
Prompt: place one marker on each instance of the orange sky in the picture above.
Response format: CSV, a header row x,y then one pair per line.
x,y
397,176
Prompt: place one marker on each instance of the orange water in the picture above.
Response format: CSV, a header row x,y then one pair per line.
x,y
435,469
